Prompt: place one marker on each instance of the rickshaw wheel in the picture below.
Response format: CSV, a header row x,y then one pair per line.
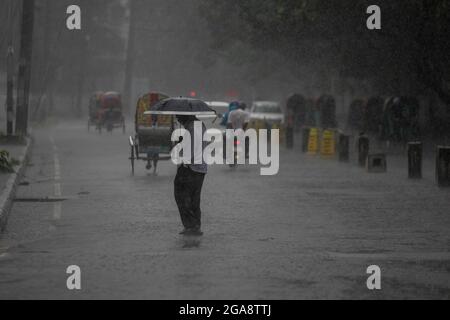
x,y
136,151
132,160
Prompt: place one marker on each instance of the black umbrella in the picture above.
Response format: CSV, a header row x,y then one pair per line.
x,y
182,106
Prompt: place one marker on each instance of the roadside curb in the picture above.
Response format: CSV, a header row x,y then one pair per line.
x,y
9,192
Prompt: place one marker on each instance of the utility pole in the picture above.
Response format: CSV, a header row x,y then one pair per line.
x,y
10,75
24,81
49,79
9,91
129,65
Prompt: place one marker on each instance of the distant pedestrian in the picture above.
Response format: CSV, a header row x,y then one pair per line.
x,y
233,106
189,180
239,118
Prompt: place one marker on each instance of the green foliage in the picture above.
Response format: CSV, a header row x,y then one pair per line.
x,y
410,52
6,164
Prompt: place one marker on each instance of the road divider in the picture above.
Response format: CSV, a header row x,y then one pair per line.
x,y
363,150
344,148
415,152
376,163
443,166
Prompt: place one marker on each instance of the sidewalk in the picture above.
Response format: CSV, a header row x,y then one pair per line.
x,y
8,181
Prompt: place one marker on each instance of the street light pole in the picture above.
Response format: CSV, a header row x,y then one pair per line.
x,y
9,90
10,74
129,64
24,81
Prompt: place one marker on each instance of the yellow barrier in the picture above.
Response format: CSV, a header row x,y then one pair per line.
x,y
328,144
313,141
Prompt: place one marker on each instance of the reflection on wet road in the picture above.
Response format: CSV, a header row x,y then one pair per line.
x,y
309,232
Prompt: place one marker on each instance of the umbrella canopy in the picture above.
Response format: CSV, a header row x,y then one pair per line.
x,y
182,106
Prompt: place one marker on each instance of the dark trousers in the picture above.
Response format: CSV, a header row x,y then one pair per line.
x,y
188,188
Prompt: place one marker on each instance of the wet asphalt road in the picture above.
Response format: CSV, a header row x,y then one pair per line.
x,y
309,232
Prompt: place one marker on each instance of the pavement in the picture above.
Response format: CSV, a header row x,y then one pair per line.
x,y
19,151
309,232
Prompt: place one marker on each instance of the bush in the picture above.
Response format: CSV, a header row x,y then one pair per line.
x,y
6,164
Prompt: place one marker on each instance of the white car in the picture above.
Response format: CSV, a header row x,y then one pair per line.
x,y
219,106
268,111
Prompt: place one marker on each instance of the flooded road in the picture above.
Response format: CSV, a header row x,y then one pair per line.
x,y
309,232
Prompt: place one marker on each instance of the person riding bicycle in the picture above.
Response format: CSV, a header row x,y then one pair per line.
x,y
239,118
233,106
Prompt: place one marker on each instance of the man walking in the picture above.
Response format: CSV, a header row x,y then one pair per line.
x,y
189,179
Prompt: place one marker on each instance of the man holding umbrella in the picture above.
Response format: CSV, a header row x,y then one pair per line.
x,y
190,176
189,180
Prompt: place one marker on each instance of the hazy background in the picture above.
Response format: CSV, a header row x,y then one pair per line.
x,y
234,49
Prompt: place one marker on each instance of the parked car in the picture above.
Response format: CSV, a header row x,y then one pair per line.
x,y
269,112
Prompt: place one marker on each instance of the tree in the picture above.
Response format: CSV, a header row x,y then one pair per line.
x,y
24,76
408,54
74,63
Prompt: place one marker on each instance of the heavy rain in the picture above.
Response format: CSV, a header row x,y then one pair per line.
x,y
332,119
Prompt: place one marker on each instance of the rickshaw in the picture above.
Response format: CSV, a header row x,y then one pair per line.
x,y
152,141
110,114
94,107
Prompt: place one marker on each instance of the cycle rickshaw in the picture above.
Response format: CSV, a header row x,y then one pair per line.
x,y
94,107
152,140
110,114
